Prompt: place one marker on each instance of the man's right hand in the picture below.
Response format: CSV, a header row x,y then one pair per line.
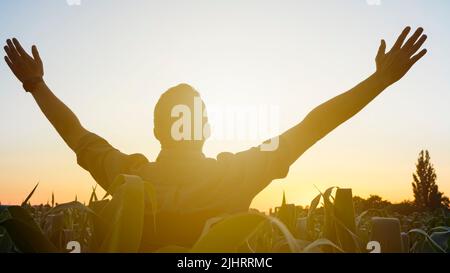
x,y
29,70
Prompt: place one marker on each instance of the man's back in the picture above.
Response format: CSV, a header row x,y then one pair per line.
x,y
190,188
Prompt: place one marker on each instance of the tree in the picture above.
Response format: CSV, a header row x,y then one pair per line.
x,y
426,191
373,202
376,202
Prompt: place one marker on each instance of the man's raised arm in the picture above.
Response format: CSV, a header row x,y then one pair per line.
x,y
391,67
30,71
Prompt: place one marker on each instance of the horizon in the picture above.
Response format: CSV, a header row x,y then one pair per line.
x,y
304,206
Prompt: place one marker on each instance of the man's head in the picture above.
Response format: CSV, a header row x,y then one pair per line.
x,y
177,105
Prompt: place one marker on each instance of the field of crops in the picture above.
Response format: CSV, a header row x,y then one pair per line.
x,y
328,224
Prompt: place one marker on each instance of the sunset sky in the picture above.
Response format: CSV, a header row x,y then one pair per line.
x,y
110,60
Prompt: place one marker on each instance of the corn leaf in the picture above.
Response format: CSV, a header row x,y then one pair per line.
x,y
227,235
345,214
312,247
27,238
433,244
387,232
125,214
30,195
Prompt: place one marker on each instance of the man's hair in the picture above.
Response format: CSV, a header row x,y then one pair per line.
x,y
182,94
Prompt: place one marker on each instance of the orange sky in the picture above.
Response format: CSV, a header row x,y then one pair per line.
x,y
110,61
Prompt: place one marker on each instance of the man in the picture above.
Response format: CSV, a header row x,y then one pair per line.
x,y
190,187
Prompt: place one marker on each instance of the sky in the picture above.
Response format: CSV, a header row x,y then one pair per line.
x,y
110,60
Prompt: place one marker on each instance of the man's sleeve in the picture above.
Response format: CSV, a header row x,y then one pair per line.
x,y
103,161
252,170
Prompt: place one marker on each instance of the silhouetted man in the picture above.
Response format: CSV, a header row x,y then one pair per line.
x,y
191,187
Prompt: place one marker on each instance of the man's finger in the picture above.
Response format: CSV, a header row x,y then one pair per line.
x,y
36,56
381,49
418,45
417,57
19,48
411,41
12,50
401,39
9,53
10,64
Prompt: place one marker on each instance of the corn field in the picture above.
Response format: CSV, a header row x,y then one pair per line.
x,y
329,224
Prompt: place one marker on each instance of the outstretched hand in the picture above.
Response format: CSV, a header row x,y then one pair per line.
x,y
29,70
393,65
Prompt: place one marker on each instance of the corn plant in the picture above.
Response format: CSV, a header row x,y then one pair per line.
x,y
117,225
